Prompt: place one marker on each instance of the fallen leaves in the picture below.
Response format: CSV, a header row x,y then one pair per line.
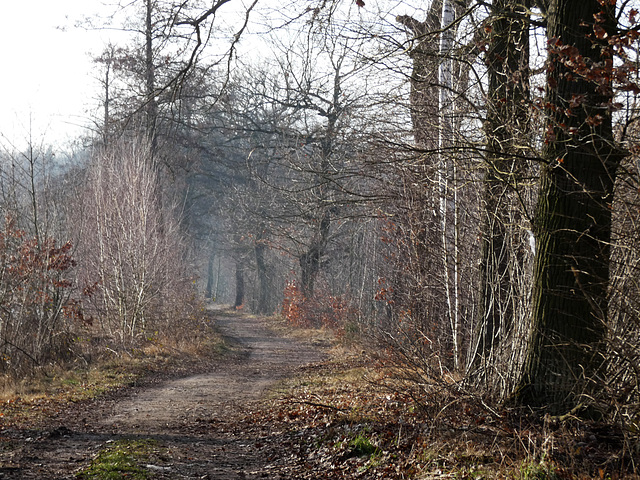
x,y
349,421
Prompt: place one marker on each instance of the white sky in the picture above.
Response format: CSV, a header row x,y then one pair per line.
x,y
48,84
46,80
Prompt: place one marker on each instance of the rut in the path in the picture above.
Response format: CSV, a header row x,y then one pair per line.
x,y
193,420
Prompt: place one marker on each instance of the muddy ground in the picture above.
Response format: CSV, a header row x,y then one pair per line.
x,y
200,424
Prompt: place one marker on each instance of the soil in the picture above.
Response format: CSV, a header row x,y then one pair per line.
x,y
199,423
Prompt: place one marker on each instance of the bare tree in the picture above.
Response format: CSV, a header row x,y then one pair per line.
x,y
131,244
505,257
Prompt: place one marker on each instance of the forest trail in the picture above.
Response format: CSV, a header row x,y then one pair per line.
x,y
194,427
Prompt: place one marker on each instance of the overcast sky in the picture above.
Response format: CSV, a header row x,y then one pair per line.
x,y
47,78
48,84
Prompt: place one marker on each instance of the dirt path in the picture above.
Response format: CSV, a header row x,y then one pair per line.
x,y
200,425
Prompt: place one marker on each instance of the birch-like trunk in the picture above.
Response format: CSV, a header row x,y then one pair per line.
x,y
446,172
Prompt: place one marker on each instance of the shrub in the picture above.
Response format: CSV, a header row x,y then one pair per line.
x,y
35,305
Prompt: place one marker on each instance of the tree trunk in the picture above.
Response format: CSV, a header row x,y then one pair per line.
x,y
150,80
239,284
424,97
310,260
263,278
216,290
209,289
447,173
424,201
507,61
107,101
573,216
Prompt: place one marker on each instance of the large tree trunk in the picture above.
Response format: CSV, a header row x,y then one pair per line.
x,y
421,193
507,60
424,95
573,216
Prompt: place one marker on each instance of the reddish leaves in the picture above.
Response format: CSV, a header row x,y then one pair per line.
x,y
608,74
34,299
322,310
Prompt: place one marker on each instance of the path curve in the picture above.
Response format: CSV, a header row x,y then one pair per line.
x,y
198,422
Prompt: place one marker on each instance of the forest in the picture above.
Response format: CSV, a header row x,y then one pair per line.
x,y
455,182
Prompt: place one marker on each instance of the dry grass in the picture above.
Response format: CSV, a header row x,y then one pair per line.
x,y
355,417
342,345
447,434
102,369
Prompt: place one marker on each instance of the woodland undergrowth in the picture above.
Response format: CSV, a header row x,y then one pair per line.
x,y
365,413
107,367
353,417
374,411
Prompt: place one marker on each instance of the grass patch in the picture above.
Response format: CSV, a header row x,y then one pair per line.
x,y
120,460
39,397
321,336
538,471
361,446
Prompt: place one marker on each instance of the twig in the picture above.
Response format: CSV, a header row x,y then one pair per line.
x,y
320,405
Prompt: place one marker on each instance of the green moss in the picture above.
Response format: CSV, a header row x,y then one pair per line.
x,y
119,460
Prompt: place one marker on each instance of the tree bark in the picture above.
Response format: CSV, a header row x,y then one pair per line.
x,y
507,61
424,95
310,260
448,202
150,81
573,216
209,289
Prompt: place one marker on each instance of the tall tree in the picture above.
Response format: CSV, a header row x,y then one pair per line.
x,y
447,173
573,215
441,187
506,125
422,214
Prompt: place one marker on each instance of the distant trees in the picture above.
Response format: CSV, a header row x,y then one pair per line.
x,y
317,173
416,187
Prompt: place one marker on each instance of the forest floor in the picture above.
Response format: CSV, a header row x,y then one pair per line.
x,y
281,404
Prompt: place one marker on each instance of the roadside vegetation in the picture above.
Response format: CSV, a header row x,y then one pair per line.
x,y
353,417
36,398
